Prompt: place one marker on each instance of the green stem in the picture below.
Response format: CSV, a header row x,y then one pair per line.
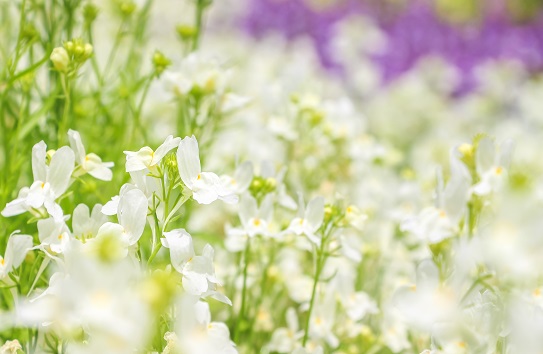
x,y
113,52
200,6
64,124
244,289
31,68
19,38
137,114
319,265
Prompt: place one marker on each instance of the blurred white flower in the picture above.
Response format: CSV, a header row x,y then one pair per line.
x,y
16,249
50,182
492,162
206,187
198,271
147,158
89,163
309,219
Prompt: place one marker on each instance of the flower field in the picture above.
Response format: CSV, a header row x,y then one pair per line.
x,y
271,176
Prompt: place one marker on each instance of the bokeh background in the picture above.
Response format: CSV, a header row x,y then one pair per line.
x,y
465,33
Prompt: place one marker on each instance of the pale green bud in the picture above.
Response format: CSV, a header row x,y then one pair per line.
x,y
60,59
87,52
159,289
160,62
186,32
69,46
90,12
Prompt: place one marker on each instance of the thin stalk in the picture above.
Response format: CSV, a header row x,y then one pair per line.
x,y
113,52
200,6
137,114
19,37
244,289
319,265
63,126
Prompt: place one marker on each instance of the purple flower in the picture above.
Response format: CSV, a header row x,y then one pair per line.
x,y
413,33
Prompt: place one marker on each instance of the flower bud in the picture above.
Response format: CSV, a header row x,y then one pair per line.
x,y
186,32
271,183
466,150
90,12
160,62
127,7
60,59
87,52
69,46
159,290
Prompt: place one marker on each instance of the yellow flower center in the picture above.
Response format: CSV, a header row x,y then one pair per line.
x,y
498,170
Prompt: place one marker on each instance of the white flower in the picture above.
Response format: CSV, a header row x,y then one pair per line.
x,y
255,219
50,182
231,102
131,208
435,224
102,299
85,224
309,219
355,217
11,347
54,234
492,162
17,247
89,163
198,271
241,180
323,320
146,158
195,74
197,334
110,208
206,187
269,173
285,339
428,303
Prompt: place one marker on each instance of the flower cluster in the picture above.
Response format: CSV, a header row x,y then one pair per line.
x,y
263,203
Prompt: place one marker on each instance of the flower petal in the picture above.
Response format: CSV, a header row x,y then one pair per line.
x,y
39,169
188,161
60,170
77,145
132,213
169,144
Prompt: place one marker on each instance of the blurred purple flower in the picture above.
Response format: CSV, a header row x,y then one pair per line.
x,y
415,32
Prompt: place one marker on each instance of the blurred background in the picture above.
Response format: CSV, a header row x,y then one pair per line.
x,y
465,33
